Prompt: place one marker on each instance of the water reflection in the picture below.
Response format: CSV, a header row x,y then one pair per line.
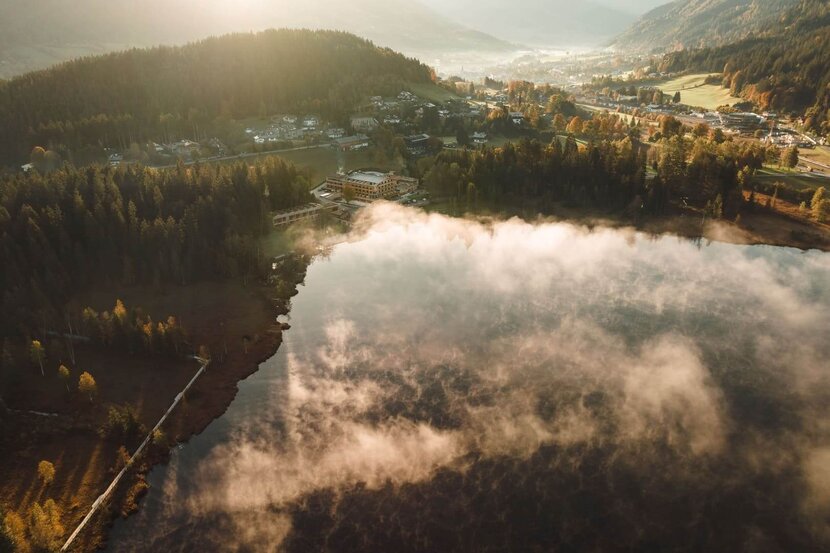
x,y
448,385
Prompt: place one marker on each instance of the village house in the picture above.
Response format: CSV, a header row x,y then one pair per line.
x,y
348,143
361,123
417,144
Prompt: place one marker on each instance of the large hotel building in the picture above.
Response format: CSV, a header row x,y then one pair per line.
x,y
372,185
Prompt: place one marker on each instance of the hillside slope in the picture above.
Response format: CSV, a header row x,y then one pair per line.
x,y
697,23
140,95
37,33
541,22
786,69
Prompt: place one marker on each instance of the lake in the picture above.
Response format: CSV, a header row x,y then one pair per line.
x,y
450,385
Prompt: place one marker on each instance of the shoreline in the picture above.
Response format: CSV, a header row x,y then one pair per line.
x,y
208,400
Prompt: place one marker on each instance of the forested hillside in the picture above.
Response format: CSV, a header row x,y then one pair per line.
x,y
784,71
139,95
698,23
74,228
35,34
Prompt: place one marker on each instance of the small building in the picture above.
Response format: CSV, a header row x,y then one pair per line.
x,y
517,117
417,144
348,143
742,121
480,138
336,133
305,212
364,124
405,185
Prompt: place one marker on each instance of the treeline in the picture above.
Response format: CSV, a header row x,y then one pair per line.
x,y
167,93
132,330
785,71
72,228
610,174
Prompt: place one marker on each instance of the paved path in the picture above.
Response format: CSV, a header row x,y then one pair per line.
x,y
101,498
244,156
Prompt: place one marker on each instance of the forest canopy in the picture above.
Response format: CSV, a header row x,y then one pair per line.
x,y
73,228
140,95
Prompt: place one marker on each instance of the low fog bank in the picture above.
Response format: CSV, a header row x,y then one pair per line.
x,y
511,386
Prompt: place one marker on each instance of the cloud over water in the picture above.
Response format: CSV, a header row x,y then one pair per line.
x,y
460,385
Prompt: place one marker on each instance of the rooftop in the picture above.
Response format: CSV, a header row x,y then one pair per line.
x,y
371,177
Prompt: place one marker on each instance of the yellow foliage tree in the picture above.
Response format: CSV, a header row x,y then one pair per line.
x,y
87,385
45,529
46,472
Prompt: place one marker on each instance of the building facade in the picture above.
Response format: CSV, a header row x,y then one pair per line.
x,y
372,185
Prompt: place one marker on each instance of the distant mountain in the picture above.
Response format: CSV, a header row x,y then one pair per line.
x,y
544,22
38,33
698,23
784,69
637,7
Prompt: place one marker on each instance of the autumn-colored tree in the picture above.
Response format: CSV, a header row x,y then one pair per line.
x,y
38,354
87,385
789,157
818,197
820,206
119,310
575,125
823,211
701,130
63,373
38,155
12,533
46,472
45,529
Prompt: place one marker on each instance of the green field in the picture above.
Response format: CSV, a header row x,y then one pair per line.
x,y
432,92
624,116
694,91
794,179
324,161
820,154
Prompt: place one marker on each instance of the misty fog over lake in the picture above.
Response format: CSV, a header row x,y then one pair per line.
x,y
457,385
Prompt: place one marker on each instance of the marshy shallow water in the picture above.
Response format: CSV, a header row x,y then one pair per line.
x,y
453,386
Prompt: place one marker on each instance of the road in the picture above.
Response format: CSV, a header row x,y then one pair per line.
x,y
101,498
244,156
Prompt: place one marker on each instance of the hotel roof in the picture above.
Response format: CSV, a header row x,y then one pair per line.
x,y
369,177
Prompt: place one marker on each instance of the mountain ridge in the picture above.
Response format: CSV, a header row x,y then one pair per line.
x,y
701,23
35,34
